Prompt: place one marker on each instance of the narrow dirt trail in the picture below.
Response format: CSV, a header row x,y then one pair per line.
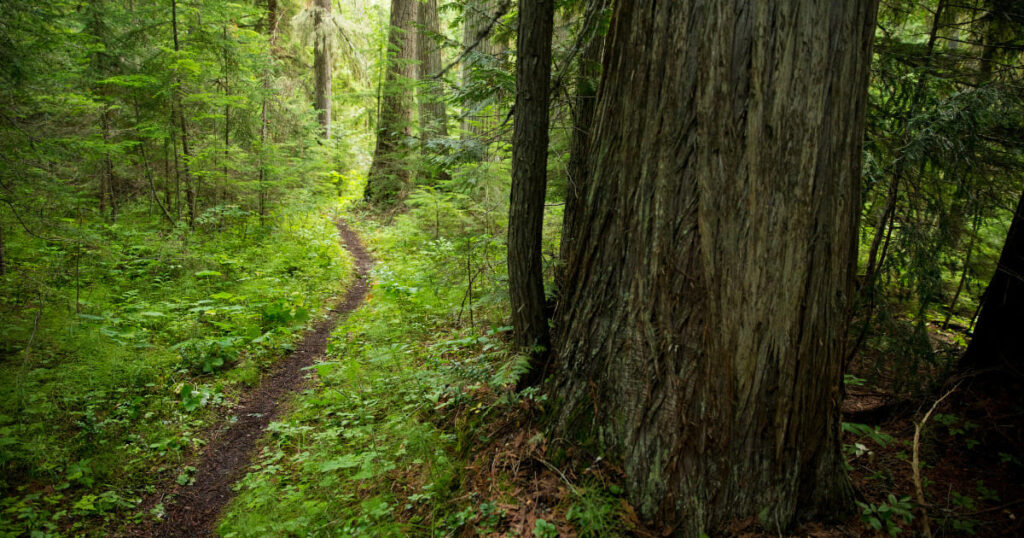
x,y
228,455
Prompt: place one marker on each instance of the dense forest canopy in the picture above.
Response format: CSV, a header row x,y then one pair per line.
x,y
457,267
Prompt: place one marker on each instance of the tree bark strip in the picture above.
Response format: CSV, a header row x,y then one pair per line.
x,y
178,114
322,65
587,77
529,184
389,179
998,339
709,281
433,121
272,17
477,34
963,272
3,250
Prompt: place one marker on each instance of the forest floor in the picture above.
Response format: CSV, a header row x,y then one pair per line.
x,y
412,429
195,509
411,425
969,449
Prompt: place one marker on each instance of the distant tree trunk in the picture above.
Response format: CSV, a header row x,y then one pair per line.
x,y
998,342
168,200
529,183
3,249
477,32
322,65
227,115
709,281
899,167
178,114
389,178
273,18
146,168
433,122
103,67
110,179
963,272
587,75
177,166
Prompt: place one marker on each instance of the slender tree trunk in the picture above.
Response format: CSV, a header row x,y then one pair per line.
x,y
322,65
880,227
529,184
700,336
887,219
273,16
147,169
998,342
177,169
178,114
899,167
108,165
389,179
963,272
102,68
168,201
587,76
432,113
433,122
227,116
3,249
103,193
152,185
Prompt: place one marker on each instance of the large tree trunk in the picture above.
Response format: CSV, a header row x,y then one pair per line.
x,y
998,341
587,75
433,122
708,285
322,65
389,178
529,182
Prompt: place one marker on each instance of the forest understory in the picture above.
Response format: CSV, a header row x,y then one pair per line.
x,y
409,425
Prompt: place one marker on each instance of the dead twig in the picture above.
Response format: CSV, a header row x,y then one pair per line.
x,y
918,488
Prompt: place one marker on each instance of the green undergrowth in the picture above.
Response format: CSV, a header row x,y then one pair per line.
x,y
414,388
114,363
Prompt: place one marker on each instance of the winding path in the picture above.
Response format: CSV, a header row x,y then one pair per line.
x,y
227,456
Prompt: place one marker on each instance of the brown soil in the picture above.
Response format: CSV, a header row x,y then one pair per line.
x,y
226,458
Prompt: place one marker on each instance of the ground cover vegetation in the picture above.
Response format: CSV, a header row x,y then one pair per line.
x,y
637,269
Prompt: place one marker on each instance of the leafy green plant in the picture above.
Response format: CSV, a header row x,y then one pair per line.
x,y
889,516
543,529
958,426
596,512
207,356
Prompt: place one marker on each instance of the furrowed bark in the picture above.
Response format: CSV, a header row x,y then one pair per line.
x,y
708,285
998,340
431,97
390,179
587,77
529,183
322,66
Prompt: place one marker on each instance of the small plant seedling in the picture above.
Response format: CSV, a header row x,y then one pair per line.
x,y
882,517
543,529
